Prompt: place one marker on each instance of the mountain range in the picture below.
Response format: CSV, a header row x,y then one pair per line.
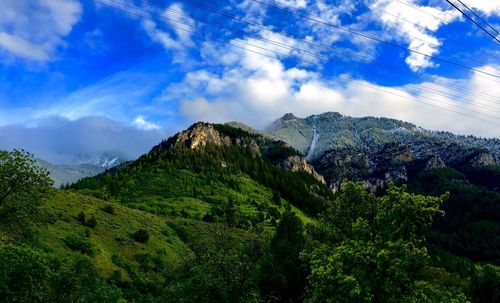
x,y
83,166
375,151
228,213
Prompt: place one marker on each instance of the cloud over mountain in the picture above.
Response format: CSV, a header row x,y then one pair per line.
x,y
59,140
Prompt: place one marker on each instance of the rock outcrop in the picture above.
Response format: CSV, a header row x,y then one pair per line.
x,y
298,163
376,151
200,134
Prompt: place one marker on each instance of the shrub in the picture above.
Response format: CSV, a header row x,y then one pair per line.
x,y
80,243
91,222
108,209
141,235
81,217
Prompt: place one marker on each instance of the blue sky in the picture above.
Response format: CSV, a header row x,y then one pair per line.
x,y
156,66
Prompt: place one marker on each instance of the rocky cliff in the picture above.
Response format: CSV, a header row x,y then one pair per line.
x,y
200,134
379,150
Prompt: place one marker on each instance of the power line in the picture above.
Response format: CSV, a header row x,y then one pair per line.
x,y
449,39
437,17
484,21
309,53
421,10
362,83
295,12
472,20
480,95
342,52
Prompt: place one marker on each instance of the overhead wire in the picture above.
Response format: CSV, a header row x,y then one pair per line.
x,y
420,27
425,12
479,95
362,83
323,21
482,96
473,21
319,56
480,18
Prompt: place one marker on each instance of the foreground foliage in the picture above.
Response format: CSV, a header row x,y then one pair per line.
x,y
220,225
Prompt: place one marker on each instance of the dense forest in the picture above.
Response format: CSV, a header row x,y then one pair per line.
x,y
223,224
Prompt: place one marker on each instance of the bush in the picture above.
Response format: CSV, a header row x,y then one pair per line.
x,y
108,209
81,217
80,243
141,235
92,222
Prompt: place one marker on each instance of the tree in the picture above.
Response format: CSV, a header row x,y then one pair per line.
x,y
22,187
283,273
224,269
80,280
485,284
25,275
377,248
353,204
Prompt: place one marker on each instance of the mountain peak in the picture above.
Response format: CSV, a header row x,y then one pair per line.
x,y
288,116
197,135
329,115
201,134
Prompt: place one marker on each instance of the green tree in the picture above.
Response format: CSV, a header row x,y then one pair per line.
x,y
77,280
376,251
283,276
22,187
485,284
225,268
25,275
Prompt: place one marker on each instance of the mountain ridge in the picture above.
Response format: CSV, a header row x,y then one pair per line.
x,y
378,151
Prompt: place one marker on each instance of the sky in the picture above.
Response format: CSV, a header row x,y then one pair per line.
x,y
121,75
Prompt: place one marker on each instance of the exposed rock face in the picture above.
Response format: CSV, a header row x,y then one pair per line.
x,y
376,151
200,134
433,163
297,163
484,159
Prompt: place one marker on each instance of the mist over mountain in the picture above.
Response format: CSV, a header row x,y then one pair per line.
x,y
82,141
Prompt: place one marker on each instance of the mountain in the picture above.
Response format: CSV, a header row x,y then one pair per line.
x,y
280,153
204,148
226,213
105,160
377,151
64,174
83,166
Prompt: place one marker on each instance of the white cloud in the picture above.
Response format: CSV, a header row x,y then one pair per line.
x,y
141,123
489,7
180,24
414,25
121,96
257,89
60,141
22,48
33,29
294,3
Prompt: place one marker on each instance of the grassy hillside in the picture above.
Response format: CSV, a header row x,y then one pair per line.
x,y
112,235
222,223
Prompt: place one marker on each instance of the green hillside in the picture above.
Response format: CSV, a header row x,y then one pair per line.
x,y
222,222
